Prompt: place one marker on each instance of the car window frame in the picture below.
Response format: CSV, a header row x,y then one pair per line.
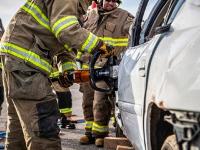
x,y
139,31
150,20
136,29
173,12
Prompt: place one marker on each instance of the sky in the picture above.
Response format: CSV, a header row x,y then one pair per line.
x,y
9,7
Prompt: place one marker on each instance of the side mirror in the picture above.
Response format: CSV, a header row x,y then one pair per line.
x,y
162,29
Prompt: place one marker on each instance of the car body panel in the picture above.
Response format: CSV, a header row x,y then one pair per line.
x,y
174,80
166,68
131,90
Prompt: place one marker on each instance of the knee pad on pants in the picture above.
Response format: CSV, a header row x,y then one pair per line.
x,y
47,119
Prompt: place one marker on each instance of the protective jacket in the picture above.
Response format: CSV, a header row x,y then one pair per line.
x,y
112,27
42,29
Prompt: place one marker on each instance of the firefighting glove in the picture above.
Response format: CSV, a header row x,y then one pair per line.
x,y
105,49
66,79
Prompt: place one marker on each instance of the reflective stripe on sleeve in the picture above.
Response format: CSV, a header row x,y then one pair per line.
x,y
54,74
26,55
79,54
122,42
99,128
65,110
36,13
63,23
90,43
67,66
69,49
85,66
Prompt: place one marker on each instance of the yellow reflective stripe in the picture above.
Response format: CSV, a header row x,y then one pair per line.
x,y
67,66
36,13
79,54
65,110
63,23
26,55
69,49
99,128
113,119
85,66
90,43
88,124
54,74
122,42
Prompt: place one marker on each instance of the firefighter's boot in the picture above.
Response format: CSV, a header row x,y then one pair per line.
x,y
67,123
99,142
87,139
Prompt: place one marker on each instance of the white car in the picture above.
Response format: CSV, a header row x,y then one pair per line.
x,y
158,102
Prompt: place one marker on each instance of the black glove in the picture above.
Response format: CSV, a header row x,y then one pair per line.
x,y
66,80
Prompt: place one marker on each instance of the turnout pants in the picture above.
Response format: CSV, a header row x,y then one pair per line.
x,y
64,98
65,102
1,91
32,108
97,109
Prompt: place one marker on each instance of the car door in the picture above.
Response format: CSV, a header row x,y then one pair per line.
x,y
133,70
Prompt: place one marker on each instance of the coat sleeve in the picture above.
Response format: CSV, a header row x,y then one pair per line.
x,y
129,21
63,63
63,15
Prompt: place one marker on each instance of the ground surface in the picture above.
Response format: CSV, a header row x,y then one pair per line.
x,y
70,138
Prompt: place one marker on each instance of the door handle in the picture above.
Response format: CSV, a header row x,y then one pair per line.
x,y
142,67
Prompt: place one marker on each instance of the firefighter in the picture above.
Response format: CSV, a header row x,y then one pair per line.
x,y
1,84
65,107
64,98
111,24
38,31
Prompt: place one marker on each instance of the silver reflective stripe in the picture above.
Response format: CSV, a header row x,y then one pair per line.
x,y
67,66
63,23
26,55
37,13
90,43
117,42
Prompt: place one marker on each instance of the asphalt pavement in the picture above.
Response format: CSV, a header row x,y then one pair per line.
x,y
69,137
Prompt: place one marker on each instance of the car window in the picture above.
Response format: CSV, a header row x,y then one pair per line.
x,y
173,11
156,18
144,10
153,17
162,15
151,4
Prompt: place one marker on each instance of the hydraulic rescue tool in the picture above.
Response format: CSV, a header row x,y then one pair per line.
x,y
108,73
